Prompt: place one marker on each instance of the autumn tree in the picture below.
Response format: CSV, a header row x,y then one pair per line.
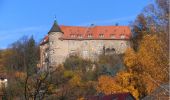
x,y
77,63
121,83
4,56
20,60
153,19
24,54
149,57
149,63
109,64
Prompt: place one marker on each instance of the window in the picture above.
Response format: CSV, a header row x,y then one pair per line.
x,y
101,44
113,49
112,36
101,35
79,36
73,43
100,52
122,36
108,50
72,53
85,43
72,35
85,53
89,35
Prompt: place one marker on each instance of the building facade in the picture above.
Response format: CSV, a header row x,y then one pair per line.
x,y
87,42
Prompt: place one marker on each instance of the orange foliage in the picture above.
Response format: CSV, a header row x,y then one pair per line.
x,y
149,63
75,81
127,82
153,57
130,58
20,75
109,85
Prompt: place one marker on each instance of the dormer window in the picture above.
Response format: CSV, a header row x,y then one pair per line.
x,y
122,36
79,36
112,36
89,35
101,35
72,35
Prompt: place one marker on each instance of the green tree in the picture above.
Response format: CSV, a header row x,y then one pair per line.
x,y
31,53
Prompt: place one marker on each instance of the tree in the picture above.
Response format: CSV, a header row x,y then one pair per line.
x,y
77,63
4,55
149,63
109,64
153,20
139,28
21,61
107,85
24,54
31,53
149,59
121,83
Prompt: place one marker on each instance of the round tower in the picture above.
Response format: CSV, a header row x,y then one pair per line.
x,y
54,34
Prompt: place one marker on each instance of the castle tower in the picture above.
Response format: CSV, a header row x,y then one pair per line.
x,y
54,34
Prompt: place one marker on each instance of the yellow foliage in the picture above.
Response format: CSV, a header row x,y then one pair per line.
x,y
20,75
75,81
42,76
4,55
68,74
125,80
134,91
149,84
130,58
153,57
109,85
149,63
51,88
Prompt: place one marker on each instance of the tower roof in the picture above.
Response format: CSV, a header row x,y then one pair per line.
x,y
55,28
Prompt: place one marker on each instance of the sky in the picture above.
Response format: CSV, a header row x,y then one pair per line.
x,y
20,18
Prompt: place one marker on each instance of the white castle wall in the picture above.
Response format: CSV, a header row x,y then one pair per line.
x,y
59,49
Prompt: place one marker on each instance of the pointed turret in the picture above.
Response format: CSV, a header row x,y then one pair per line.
x,y
55,28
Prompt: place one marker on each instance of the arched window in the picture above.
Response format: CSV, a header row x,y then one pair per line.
x,y
113,49
108,50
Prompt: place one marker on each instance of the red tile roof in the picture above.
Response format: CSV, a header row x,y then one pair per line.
x,y
45,40
94,32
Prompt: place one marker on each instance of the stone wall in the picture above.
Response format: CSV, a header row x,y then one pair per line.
x,y
44,49
60,49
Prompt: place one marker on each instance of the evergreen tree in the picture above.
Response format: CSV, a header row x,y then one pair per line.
x,y
31,55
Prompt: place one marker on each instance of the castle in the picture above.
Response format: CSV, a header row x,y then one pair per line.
x,y
87,42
